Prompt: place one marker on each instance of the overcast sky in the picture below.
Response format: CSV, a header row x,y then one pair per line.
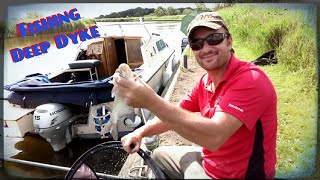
x,y
87,9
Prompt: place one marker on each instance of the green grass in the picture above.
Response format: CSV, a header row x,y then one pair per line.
x,y
296,140
263,29
256,30
296,122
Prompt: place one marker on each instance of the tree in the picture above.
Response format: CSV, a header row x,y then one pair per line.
x,y
222,5
201,7
33,15
171,11
138,14
101,16
160,11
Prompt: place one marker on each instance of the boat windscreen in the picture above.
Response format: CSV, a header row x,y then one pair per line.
x,y
123,29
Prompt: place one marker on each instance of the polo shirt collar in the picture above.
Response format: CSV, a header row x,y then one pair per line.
x,y
233,65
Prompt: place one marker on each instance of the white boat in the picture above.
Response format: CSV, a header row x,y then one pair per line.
x,y
73,102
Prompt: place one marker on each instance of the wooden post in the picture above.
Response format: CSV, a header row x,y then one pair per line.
x,y
185,62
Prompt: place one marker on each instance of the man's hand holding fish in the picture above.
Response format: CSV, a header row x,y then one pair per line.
x,y
135,93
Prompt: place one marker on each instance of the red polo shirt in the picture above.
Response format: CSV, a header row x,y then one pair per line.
x,y
247,93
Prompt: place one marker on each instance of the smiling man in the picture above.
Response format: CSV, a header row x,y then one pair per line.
x,y
238,105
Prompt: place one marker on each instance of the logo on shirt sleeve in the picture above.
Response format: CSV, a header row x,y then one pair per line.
x,y
235,107
218,100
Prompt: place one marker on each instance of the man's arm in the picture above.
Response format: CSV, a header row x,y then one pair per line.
x,y
153,127
209,133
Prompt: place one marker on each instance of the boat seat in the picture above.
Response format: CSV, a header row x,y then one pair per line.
x,y
89,64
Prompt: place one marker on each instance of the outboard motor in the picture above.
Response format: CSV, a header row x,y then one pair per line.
x,y
52,121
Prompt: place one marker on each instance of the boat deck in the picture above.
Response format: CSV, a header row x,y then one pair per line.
x,y
18,121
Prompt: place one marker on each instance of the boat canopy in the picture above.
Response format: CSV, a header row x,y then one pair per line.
x,y
36,90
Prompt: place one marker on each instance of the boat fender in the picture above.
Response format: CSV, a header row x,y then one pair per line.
x,y
137,121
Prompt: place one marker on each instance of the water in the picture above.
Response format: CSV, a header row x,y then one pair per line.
x,y
33,147
36,149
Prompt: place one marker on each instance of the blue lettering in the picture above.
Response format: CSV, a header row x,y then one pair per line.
x,y
84,35
73,37
56,20
74,16
31,29
35,50
27,53
61,41
16,54
37,26
64,17
94,31
44,46
22,32
47,23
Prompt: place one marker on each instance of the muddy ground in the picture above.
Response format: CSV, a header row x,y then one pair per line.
x,y
186,81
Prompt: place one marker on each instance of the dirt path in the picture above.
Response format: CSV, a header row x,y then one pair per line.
x,y
185,82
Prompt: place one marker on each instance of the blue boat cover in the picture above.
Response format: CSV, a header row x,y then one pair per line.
x,y
33,91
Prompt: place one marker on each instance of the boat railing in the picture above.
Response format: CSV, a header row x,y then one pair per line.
x,y
122,24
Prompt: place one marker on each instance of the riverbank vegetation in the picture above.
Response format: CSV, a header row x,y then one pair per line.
x,y
159,14
148,14
138,12
292,33
145,18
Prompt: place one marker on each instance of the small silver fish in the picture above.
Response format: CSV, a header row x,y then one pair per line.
x,y
120,110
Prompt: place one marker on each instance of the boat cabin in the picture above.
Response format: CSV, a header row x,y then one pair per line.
x,y
101,58
114,50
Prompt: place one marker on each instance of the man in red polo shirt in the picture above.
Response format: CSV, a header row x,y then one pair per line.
x,y
238,106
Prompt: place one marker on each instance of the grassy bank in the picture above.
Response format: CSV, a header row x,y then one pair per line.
x,y
256,30
11,32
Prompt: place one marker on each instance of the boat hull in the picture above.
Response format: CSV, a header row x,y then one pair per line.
x,y
86,95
